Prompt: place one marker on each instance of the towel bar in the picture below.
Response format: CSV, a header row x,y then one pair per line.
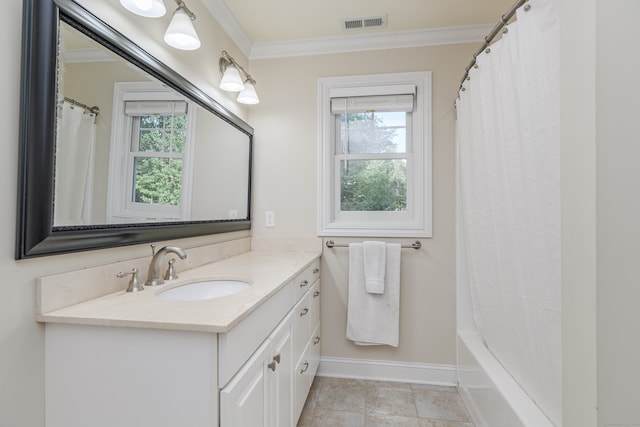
x,y
415,245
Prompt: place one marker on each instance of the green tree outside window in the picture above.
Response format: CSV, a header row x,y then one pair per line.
x,y
158,168
373,184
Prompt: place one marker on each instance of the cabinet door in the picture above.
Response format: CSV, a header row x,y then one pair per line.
x,y
244,402
281,368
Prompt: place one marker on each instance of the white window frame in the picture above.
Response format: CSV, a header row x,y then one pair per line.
x,y
417,221
119,208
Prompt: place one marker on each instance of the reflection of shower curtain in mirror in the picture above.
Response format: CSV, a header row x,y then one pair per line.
x,y
75,149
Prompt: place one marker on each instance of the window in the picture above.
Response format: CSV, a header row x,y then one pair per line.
x,y
152,148
375,145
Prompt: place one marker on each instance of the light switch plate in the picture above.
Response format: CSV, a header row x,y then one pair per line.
x,y
270,219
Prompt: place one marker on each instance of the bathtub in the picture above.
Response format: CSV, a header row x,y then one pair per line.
x,y
492,396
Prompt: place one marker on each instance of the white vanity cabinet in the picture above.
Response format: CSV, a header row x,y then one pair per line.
x,y
257,374
266,391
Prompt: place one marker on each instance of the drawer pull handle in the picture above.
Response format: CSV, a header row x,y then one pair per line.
x,y
276,358
303,312
316,270
316,340
272,366
316,294
306,366
304,283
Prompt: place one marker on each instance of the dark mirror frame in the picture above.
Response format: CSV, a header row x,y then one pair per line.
x,y
35,233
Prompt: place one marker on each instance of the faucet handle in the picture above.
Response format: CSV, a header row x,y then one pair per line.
x,y
134,283
153,249
171,271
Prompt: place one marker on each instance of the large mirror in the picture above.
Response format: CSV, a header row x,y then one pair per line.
x,y
117,148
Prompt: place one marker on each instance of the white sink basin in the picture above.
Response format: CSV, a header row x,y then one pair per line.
x,y
205,289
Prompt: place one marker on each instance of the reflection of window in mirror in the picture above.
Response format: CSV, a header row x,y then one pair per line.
x,y
151,152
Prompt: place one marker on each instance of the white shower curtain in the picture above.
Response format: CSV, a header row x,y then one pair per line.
x,y
75,152
508,171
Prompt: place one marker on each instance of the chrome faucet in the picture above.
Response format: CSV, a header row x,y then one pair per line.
x,y
154,277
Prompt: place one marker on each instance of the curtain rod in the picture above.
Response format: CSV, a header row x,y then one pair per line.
x,y
95,110
504,20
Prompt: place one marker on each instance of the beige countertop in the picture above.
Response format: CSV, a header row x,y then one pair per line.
x,y
267,271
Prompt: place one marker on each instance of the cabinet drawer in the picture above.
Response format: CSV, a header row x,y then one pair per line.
x,y
306,316
307,278
314,304
301,325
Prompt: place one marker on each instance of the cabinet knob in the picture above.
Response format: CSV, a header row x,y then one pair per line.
x,y
316,340
272,366
276,358
316,294
306,366
304,283
316,270
303,312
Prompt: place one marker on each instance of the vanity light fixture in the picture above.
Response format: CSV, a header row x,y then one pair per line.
x,y
236,79
146,8
180,33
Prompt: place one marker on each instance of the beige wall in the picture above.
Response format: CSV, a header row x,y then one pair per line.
x,y
577,131
21,338
600,213
220,169
286,180
618,212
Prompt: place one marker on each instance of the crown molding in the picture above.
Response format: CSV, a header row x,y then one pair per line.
x,y
219,10
341,44
371,41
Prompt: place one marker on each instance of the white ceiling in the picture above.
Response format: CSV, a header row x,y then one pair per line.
x,y
258,26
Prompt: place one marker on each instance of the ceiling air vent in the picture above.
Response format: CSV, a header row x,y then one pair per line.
x,y
349,24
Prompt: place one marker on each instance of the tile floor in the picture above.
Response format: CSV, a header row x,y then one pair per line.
x,y
340,402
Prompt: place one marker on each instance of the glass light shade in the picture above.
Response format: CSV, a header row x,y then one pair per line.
x,y
231,80
180,32
248,95
146,8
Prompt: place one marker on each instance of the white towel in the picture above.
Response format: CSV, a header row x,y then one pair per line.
x,y
374,319
375,257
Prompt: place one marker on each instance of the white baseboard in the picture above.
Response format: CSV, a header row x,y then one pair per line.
x,y
379,370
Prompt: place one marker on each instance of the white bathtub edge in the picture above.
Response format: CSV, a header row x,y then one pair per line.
x,y
514,397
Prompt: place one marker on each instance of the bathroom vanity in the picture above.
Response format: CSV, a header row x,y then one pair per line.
x,y
246,359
